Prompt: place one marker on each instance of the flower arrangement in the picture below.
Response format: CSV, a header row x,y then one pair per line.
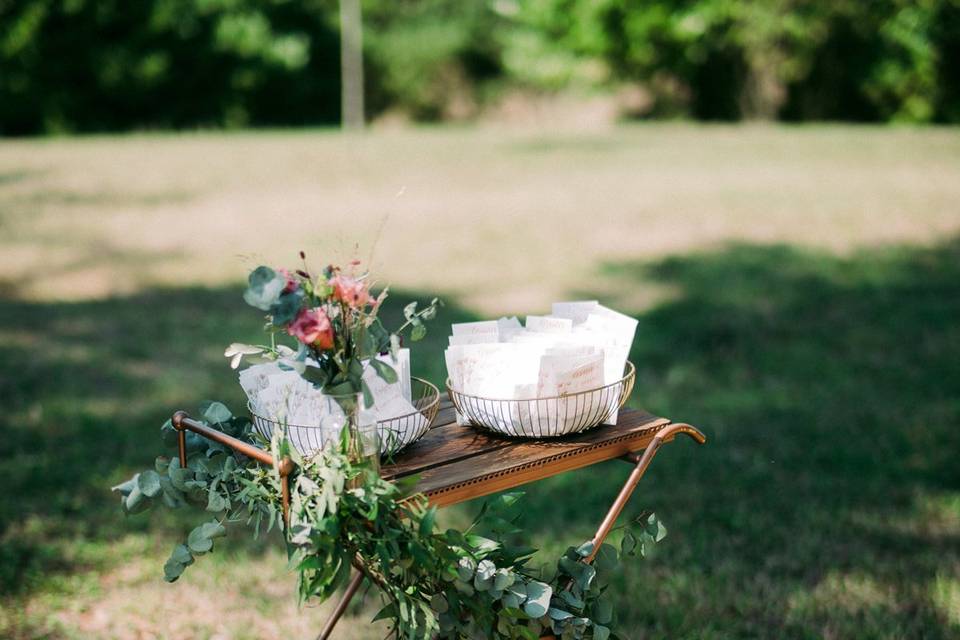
x,y
333,316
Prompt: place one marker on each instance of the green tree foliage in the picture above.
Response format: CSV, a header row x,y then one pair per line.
x,y
80,65
428,55
730,59
77,65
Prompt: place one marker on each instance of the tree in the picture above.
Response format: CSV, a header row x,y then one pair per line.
x,y
351,64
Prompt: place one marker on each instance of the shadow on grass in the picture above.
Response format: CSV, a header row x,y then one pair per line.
x,y
826,503
85,388
827,500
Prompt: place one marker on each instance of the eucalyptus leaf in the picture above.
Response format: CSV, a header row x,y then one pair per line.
x,y
486,570
503,579
606,559
517,589
418,332
538,599
149,483
571,599
582,573
661,532
198,542
264,288
511,600
558,614
201,537
172,570
215,412
124,488
216,502
482,584
182,555
135,501
466,569
286,308
172,497
179,477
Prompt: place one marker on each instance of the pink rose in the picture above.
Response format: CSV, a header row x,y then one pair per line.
x,y
312,327
351,291
291,281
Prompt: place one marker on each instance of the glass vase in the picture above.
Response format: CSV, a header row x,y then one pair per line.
x,y
356,428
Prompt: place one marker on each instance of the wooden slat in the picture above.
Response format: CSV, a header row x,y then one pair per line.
x,y
446,415
442,445
459,463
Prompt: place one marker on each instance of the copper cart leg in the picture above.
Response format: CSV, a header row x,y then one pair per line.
x,y
642,462
354,584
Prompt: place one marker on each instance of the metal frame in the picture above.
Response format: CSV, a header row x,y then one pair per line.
x,y
549,416
182,422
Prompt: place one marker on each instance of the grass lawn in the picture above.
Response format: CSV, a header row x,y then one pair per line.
x,y
798,291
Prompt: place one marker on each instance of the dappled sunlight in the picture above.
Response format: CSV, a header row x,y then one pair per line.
x,y
223,596
95,217
827,387
945,593
862,603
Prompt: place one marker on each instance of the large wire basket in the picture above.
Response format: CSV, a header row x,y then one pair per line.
x,y
395,433
546,417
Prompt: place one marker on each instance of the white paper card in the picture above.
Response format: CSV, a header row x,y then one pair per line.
x,y
576,311
549,324
473,328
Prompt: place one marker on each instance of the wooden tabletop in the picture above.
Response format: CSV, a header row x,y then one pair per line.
x,y
458,463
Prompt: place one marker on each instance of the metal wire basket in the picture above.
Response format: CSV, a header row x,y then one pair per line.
x,y
394,433
546,417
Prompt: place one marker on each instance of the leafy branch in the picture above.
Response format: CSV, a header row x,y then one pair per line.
x,y
446,584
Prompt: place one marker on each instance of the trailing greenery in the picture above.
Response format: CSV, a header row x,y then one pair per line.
x,y
446,584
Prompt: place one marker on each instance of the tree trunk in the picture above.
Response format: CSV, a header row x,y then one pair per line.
x,y
351,64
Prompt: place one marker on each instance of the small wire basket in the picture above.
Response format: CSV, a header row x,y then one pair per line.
x,y
546,417
394,433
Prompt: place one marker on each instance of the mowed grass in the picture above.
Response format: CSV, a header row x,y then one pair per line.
x,y
506,221
799,299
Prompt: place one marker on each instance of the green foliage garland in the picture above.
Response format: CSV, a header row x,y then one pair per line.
x,y
444,584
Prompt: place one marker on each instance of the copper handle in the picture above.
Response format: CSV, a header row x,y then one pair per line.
x,y
182,422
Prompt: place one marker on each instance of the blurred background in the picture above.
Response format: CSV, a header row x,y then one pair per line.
x,y
771,188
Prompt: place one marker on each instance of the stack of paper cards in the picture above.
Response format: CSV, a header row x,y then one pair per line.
x,y
282,396
579,347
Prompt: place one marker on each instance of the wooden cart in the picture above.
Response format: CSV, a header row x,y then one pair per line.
x,y
456,463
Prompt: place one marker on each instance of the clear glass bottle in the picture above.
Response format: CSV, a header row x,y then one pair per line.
x,y
361,439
